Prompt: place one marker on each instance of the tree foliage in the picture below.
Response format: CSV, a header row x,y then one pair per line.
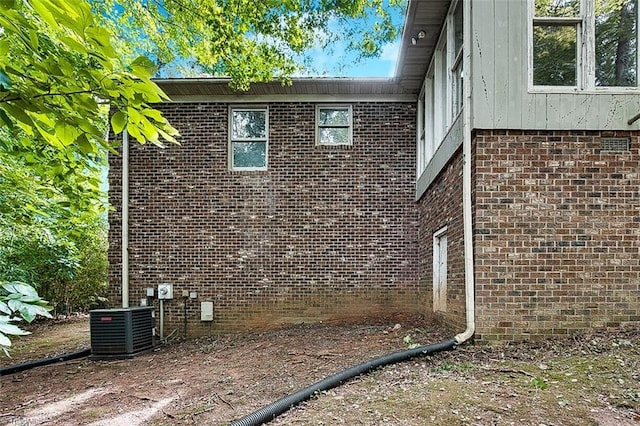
x,y
247,40
69,270
59,73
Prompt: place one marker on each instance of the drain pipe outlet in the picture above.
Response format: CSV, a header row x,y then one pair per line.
x,y
273,410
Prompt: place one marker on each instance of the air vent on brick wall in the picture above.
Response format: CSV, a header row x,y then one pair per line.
x,y
615,144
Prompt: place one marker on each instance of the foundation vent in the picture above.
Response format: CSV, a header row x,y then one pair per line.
x,y
615,144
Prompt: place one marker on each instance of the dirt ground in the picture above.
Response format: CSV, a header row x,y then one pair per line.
x,y
581,380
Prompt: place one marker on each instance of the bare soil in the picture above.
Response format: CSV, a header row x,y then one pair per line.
x,y
581,380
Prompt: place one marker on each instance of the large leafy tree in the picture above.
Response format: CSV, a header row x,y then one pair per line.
x,y
59,73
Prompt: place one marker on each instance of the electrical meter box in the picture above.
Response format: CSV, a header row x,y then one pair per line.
x,y
206,311
165,291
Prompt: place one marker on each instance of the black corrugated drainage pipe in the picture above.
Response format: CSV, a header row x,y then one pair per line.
x,y
45,361
274,409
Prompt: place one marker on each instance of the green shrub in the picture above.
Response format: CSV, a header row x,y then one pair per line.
x,y
68,270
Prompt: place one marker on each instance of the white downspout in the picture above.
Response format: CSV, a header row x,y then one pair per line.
x,y
467,216
125,219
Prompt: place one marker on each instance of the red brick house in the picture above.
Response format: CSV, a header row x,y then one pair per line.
x,y
493,183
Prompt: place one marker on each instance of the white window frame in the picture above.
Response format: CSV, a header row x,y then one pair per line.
x,y
425,128
349,126
232,140
456,100
585,51
438,104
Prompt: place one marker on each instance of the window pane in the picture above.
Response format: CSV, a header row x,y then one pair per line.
x,y
249,154
458,89
443,83
616,43
457,24
334,136
554,55
249,125
334,117
557,8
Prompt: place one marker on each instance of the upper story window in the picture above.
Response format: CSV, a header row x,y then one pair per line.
x,y
442,96
333,125
584,44
248,138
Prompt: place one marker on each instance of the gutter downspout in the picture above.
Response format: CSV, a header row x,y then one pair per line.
x,y
125,219
467,213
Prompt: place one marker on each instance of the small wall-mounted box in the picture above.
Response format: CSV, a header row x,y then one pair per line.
x,y
165,291
206,311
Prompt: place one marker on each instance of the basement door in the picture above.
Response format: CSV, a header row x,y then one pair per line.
x,y
440,270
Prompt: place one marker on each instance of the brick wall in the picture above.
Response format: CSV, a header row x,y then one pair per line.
x,y
557,233
327,233
440,206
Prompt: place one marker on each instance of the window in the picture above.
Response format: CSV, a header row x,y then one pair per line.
x,y
426,139
456,62
585,44
442,96
333,125
248,138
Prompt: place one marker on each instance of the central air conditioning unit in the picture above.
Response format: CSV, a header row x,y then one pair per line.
x,y
121,332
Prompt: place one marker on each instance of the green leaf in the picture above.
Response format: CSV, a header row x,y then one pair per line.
x,y
4,340
44,12
143,68
19,115
118,122
20,289
14,330
6,120
133,130
155,114
85,146
66,133
74,44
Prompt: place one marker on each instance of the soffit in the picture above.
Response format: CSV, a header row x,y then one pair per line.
x,y
413,60
299,89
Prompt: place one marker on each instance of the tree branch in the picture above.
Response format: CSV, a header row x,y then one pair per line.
x,y
43,95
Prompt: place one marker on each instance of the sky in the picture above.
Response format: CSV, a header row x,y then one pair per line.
x,y
340,63
383,66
